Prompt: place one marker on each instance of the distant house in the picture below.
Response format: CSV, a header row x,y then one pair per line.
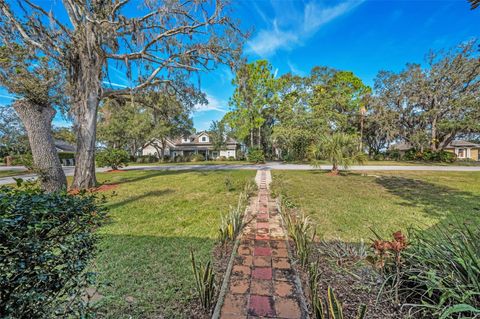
x,y
199,143
463,149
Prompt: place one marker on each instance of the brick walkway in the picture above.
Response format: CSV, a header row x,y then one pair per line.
x,y
262,283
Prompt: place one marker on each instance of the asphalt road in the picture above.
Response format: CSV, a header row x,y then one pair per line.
x,y
271,165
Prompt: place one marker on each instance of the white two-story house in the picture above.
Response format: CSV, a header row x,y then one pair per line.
x,y
198,143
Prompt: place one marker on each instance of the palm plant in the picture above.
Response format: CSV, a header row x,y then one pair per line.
x,y
341,149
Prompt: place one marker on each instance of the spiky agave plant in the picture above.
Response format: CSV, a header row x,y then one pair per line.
x,y
334,308
204,282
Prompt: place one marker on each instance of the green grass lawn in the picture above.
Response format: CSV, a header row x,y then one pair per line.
x,y
9,173
345,207
157,217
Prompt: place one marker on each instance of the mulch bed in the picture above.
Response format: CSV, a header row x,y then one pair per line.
x,y
354,282
101,188
114,171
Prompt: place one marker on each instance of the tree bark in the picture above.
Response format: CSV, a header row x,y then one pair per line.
x,y
38,124
85,79
85,127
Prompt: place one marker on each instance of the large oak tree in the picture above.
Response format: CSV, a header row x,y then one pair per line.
x,y
154,43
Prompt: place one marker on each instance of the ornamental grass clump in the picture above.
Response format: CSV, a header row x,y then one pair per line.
x,y
232,224
47,241
440,272
204,282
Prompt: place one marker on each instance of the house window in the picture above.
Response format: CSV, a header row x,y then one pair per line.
x,y
462,152
204,139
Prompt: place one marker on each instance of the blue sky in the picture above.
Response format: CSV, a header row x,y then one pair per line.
x,y
359,36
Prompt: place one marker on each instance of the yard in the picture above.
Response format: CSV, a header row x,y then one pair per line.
x,y
157,217
346,207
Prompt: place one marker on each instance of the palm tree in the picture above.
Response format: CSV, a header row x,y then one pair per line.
x,y
340,149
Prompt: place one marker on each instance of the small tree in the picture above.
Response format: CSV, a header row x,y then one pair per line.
x,y
340,149
218,135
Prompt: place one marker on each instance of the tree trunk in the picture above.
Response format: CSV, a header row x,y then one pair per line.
x,y
38,123
334,168
433,142
251,138
259,137
85,80
86,126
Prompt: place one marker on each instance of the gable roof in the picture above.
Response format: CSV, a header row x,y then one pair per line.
x,y
462,143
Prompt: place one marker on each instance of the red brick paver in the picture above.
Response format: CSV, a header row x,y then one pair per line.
x,y
262,283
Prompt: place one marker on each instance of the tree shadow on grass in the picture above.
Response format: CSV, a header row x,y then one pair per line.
x,y
448,204
149,276
148,174
127,200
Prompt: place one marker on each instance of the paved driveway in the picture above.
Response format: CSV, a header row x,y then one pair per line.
x,y
270,165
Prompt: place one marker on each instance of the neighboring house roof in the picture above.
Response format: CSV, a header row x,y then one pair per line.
x,y
63,146
462,143
403,146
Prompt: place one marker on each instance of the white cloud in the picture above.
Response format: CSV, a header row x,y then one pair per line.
x,y
214,104
269,40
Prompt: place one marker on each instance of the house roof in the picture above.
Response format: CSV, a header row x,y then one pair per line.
x,y
404,146
462,143
195,140
63,146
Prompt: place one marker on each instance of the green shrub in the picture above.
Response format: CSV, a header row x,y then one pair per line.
x,y
46,242
231,158
66,155
221,158
440,271
256,155
197,158
24,160
378,157
394,155
112,158
146,159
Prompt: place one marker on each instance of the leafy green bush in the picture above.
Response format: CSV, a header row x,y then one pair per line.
x,y
197,158
256,155
112,158
24,160
231,158
440,272
221,158
429,155
66,155
46,242
146,159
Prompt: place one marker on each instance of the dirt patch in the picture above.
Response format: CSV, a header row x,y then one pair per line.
x,y
354,282
114,171
101,188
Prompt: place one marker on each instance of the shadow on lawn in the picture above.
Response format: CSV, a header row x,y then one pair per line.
x,y
148,174
149,276
128,200
447,204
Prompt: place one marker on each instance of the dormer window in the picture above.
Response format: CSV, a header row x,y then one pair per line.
x,y
185,140
204,139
